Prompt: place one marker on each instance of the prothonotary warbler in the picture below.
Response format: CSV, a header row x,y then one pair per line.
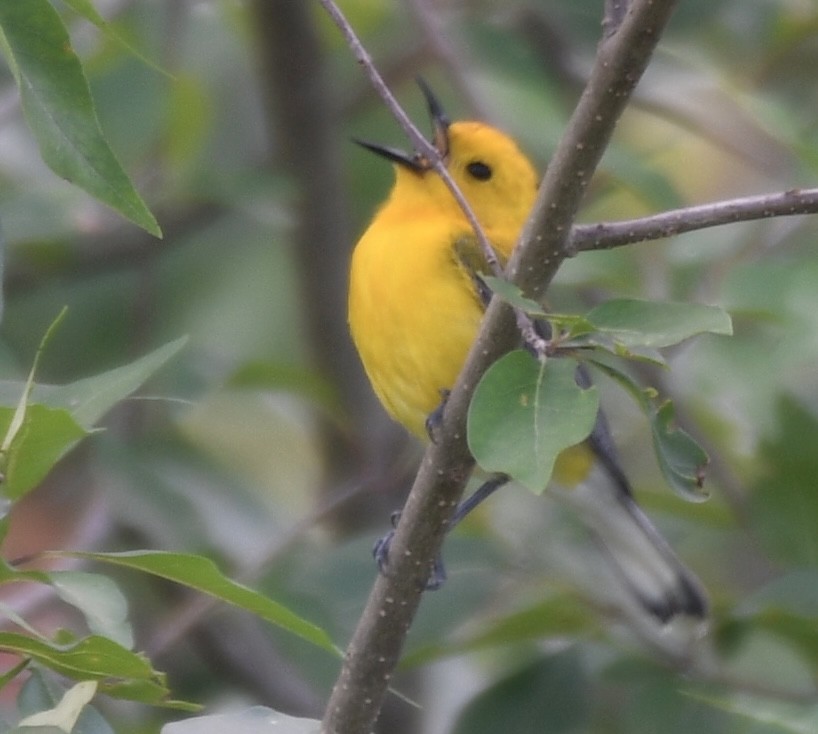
x,y
415,306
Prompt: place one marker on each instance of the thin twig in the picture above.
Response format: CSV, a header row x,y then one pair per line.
x,y
607,235
419,142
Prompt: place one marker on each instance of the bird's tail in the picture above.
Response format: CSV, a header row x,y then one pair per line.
x,y
639,555
641,558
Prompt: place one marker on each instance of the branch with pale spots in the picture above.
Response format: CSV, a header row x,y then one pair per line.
x,y
607,235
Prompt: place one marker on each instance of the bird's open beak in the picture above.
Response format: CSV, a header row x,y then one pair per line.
x,y
440,136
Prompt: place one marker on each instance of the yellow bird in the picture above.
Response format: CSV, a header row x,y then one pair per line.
x,y
415,306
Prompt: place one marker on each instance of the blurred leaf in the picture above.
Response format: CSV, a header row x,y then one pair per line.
x,y
86,9
637,323
90,398
289,378
783,503
65,714
549,695
99,599
59,109
775,717
559,616
524,414
189,119
256,720
42,692
202,574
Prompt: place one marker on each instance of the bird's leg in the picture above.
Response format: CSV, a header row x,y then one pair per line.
x,y
437,573
435,418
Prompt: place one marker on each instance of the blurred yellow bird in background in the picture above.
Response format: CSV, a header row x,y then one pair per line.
x,y
415,305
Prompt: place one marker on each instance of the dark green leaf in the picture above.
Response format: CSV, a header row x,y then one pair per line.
x,y
550,695
682,461
784,503
59,109
524,414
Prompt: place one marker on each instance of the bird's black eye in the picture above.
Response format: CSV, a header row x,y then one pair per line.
x,y
479,170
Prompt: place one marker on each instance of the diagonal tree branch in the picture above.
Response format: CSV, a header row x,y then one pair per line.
x,y
377,642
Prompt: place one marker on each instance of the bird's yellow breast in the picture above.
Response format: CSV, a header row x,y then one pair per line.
x,y
413,308
412,311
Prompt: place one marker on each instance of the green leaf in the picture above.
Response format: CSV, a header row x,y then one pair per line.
x,y
90,398
783,502
59,109
682,461
46,435
512,295
86,9
779,717
99,599
556,617
197,572
57,417
92,658
524,414
637,323
552,695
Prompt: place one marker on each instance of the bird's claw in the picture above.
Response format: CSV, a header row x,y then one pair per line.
x,y
380,552
435,419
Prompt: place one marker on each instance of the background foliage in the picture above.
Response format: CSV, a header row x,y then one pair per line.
x,y
259,445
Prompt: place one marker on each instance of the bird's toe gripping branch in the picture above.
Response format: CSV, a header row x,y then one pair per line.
x,y
437,571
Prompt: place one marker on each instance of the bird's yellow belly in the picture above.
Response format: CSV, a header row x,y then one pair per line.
x,y
413,315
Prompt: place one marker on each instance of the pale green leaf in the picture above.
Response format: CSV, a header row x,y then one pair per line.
x,y
255,720
652,324
524,414
90,398
65,714
99,599
512,295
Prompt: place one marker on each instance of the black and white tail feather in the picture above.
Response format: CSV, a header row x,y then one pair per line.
x,y
641,558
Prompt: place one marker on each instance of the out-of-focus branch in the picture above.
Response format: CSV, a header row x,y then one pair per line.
x,y
375,647
304,122
121,248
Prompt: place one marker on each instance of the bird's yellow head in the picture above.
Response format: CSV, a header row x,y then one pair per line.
x,y
491,171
